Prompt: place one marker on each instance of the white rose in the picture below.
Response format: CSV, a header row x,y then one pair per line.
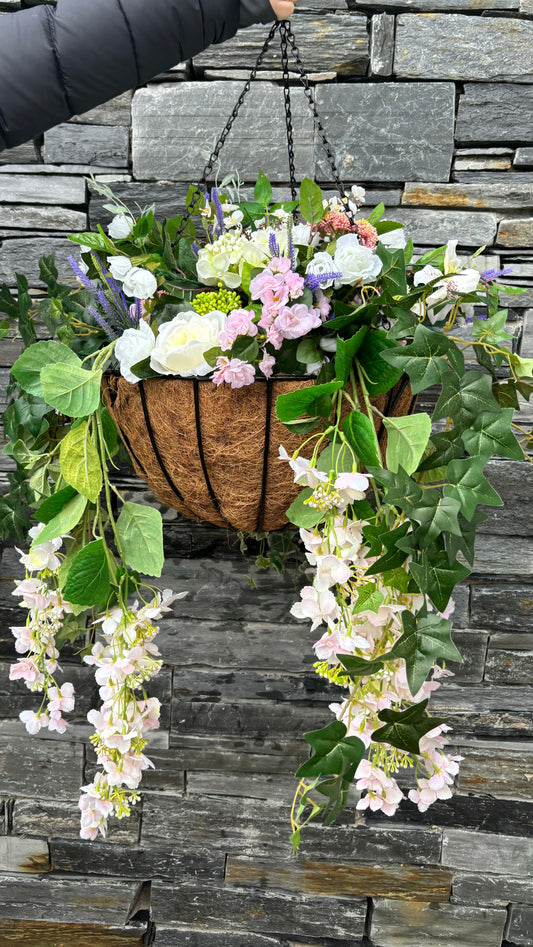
x,y
120,227
119,267
394,239
140,283
322,263
134,346
355,262
182,343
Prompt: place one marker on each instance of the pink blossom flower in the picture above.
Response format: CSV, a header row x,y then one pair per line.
x,y
34,722
234,372
61,699
317,606
424,796
331,570
239,322
266,364
25,669
322,303
352,486
57,723
41,555
304,474
331,644
297,321
383,791
33,593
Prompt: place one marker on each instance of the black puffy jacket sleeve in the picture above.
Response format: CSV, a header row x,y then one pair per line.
x,y
59,61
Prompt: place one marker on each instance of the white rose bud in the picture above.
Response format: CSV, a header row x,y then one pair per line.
x,y
140,283
134,346
119,267
120,227
181,343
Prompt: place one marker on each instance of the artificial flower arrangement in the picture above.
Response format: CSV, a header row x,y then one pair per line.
x,y
241,292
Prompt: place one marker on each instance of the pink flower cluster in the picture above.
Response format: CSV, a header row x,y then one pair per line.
x,y
239,322
36,639
275,287
124,661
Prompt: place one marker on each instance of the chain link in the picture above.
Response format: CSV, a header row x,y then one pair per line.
x,y
284,32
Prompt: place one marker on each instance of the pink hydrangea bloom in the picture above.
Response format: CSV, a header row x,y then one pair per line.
x,y
239,322
234,372
297,321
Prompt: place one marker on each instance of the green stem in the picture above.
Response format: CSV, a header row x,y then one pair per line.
x,y
103,463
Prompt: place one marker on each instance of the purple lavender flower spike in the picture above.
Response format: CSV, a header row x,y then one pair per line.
x,y
493,274
102,323
218,210
138,313
292,252
313,280
273,245
195,249
83,278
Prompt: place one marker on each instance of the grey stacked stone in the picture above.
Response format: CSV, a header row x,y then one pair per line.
x,y
429,104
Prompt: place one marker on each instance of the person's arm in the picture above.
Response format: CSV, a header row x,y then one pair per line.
x,y
59,61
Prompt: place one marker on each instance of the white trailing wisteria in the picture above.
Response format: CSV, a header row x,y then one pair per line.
x,y
125,660
362,612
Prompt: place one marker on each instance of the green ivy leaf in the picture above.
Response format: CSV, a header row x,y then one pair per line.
x,y
437,577
334,753
68,517
346,351
88,581
407,440
401,490
361,667
380,374
469,486
140,530
436,515
427,359
27,368
311,206
71,389
490,434
404,728
80,463
394,556
465,543
448,445
368,598
359,431
463,399
424,641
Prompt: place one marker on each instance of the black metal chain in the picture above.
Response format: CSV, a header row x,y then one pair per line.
x,y
286,38
284,30
316,117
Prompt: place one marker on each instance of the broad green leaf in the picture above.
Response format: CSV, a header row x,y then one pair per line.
x,y
404,728
93,240
334,753
407,440
346,351
88,581
245,348
140,530
379,373
263,190
307,352
360,433
80,463
311,206
303,515
427,359
54,504
71,389
361,667
66,519
469,486
437,577
490,434
27,368
424,641
293,405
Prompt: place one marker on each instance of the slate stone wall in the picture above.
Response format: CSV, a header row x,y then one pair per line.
x,y
430,105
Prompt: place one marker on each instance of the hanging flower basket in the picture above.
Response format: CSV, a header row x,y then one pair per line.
x,y
212,453
219,344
